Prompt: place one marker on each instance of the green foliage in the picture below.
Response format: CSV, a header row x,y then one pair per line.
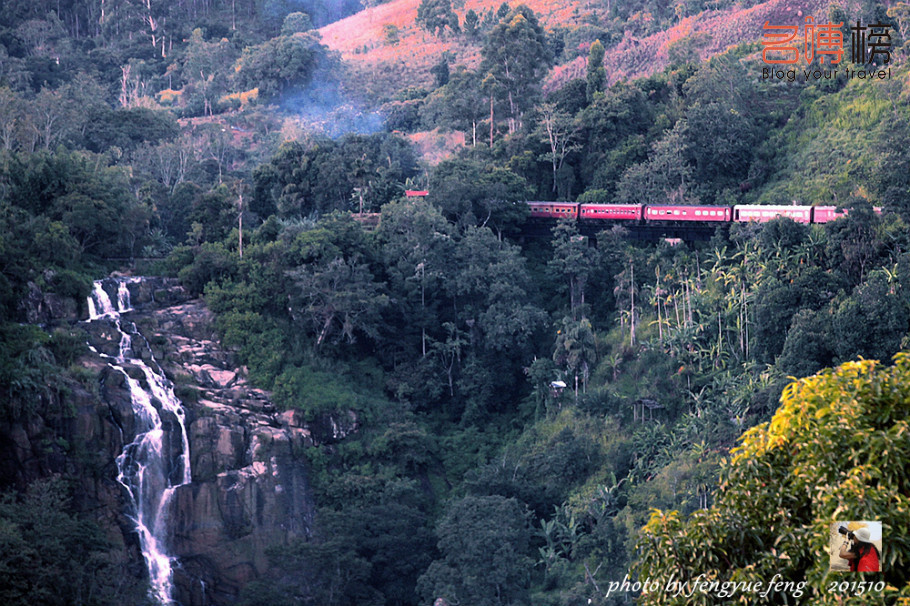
x,y
316,391
460,104
540,472
50,555
325,572
835,143
213,215
368,553
390,34
280,64
438,311
67,345
337,298
471,23
475,194
575,349
30,376
596,75
440,70
482,541
872,321
128,128
516,55
260,341
202,264
81,203
356,172
296,23
437,15
832,452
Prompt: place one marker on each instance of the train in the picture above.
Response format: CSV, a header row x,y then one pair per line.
x,y
662,213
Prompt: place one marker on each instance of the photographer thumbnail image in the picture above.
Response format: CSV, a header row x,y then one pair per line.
x,y
856,546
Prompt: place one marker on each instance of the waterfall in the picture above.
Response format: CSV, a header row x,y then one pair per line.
x,y
156,462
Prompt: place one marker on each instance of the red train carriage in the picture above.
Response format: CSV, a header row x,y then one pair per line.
x,y
720,214
741,213
762,214
612,212
824,214
553,210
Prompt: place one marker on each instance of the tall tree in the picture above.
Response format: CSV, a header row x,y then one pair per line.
x,y
206,70
573,262
491,284
483,542
460,104
471,23
417,248
471,192
517,56
279,64
337,296
596,75
436,15
575,350
557,130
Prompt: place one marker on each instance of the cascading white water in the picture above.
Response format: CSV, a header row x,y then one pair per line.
x,y
151,467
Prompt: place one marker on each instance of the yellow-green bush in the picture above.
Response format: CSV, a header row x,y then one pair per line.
x,y
836,450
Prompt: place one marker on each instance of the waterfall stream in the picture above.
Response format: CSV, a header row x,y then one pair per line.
x,y
156,462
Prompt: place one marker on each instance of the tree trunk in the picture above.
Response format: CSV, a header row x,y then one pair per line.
x,y
491,121
325,330
632,314
240,225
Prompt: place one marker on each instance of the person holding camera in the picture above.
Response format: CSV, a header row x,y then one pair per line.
x,y
862,554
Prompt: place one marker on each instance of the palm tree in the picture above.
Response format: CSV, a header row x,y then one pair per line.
x,y
613,361
576,349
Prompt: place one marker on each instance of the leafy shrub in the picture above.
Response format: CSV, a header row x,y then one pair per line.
x,y
315,391
210,261
835,450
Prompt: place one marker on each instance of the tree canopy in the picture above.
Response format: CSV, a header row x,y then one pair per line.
x,y
832,452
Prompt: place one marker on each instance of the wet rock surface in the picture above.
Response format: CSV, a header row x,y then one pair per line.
x,y
250,486
250,479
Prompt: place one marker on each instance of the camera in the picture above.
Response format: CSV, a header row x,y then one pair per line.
x,y
843,530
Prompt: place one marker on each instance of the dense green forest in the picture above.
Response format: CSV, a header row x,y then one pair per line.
x,y
137,135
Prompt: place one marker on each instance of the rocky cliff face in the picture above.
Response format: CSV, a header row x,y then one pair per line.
x,y
249,487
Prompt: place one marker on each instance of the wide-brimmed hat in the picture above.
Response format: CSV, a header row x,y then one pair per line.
x,y
863,534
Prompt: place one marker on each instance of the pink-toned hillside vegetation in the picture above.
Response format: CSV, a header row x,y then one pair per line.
x,y
386,43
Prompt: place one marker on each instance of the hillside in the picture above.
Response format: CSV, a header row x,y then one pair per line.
x,y
710,33
378,67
